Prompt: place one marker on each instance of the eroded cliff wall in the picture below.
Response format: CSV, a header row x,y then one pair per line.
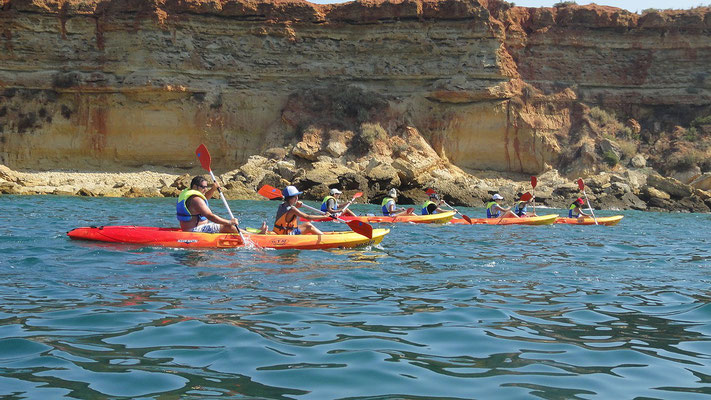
x,y
108,84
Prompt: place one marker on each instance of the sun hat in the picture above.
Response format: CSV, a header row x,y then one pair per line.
x,y
497,197
335,191
392,193
291,191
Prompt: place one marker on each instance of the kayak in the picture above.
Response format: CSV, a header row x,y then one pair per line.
x,y
441,218
608,221
174,237
540,220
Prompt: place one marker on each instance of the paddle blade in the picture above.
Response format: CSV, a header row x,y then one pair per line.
x,y
270,192
467,219
581,184
362,228
357,195
526,196
204,156
430,191
534,182
410,210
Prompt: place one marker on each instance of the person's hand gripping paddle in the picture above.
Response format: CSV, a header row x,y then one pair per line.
x,y
359,227
355,196
469,220
204,156
581,185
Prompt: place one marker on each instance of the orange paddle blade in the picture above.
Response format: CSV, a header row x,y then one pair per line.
x,y
534,182
362,228
581,184
359,194
526,196
204,156
270,192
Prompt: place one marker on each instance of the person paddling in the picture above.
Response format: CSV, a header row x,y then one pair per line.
x,y
494,210
388,205
431,205
575,210
193,211
330,204
288,213
521,207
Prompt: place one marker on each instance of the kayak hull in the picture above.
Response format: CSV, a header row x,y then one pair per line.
x,y
174,237
540,220
607,221
441,218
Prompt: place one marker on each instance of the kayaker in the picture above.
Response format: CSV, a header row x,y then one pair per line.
x,y
494,210
521,208
575,210
330,204
288,213
193,211
431,205
388,205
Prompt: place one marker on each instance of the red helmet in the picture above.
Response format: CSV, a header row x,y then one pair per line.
x,y
579,200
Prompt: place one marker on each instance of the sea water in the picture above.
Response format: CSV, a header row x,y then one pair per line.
x,y
435,311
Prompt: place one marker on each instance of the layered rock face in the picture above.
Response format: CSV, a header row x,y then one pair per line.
x,y
404,93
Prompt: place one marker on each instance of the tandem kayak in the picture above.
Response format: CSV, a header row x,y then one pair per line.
x,y
441,218
174,237
608,221
541,220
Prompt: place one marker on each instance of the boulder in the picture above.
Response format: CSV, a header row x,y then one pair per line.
x,y
272,179
650,192
672,186
607,145
382,175
85,192
702,182
310,144
638,161
286,169
687,176
169,191
276,153
182,182
255,168
336,149
8,187
632,201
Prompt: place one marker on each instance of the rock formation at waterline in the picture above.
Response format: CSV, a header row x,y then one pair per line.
x,y
468,97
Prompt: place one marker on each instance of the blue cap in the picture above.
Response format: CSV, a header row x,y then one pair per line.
x,y
291,191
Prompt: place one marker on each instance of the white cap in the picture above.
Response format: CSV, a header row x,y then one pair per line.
x,y
335,191
392,192
497,197
291,191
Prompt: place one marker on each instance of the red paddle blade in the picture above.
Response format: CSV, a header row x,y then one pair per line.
x,y
410,210
430,191
581,184
467,219
362,228
534,182
526,196
270,192
359,194
204,156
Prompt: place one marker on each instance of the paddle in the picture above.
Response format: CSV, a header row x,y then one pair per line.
x,y
204,156
469,220
525,197
534,182
355,196
581,185
359,227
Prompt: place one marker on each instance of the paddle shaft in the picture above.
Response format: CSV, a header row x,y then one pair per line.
x,y
590,207
321,212
227,206
348,204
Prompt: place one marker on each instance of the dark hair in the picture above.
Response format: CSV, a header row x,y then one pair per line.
x,y
197,181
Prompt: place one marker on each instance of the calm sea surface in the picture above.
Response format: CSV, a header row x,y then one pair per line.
x,y
553,312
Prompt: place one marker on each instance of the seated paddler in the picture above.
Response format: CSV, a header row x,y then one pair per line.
x,y
575,210
521,207
431,205
288,213
389,205
494,210
193,211
330,204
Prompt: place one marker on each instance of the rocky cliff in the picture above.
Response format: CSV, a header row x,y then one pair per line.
x,y
374,94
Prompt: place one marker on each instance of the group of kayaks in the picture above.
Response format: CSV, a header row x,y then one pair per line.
x,y
174,237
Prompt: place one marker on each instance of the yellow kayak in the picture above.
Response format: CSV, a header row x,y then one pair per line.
x,y
607,221
440,218
541,220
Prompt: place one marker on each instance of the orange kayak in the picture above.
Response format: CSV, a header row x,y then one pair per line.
x,y
441,218
541,220
174,237
607,221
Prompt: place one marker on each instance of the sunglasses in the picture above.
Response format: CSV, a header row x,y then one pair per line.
x,y
203,186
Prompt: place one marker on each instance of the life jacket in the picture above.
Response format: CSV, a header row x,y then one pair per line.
x,y
281,225
181,210
570,210
489,214
521,211
425,205
384,205
324,203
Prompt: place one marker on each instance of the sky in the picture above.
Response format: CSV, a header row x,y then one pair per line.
x,y
631,5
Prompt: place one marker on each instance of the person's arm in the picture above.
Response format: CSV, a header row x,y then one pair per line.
x,y
304,215
582,213
201,207
211,192
331,206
